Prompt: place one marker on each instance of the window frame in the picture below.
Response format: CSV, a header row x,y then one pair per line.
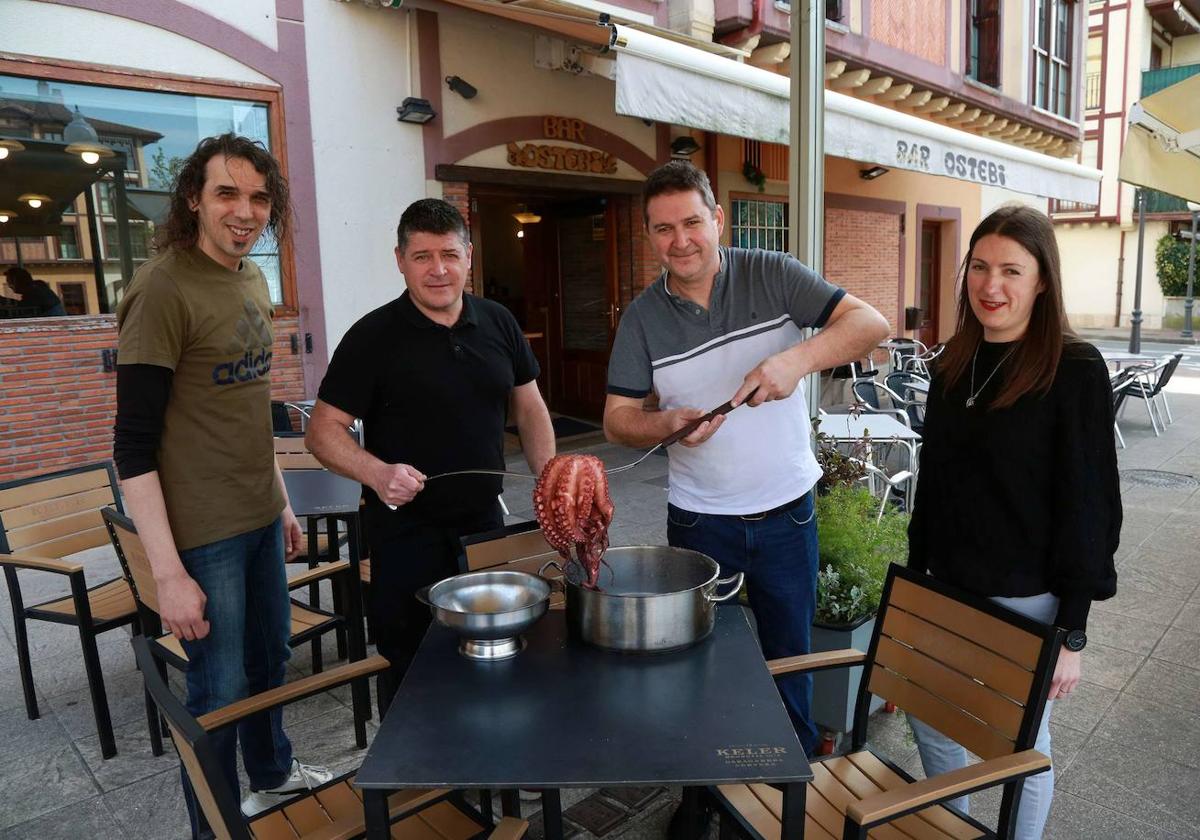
x,y
761,198
1046,57
63,70
969,66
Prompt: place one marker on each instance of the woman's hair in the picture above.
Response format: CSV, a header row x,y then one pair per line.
x,y
182,229
1037,353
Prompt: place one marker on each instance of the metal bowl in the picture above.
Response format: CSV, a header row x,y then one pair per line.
x,y
488,610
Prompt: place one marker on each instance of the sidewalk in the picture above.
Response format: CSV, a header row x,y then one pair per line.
x,y
1126,746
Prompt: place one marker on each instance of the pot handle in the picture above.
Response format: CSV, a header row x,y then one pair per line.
x,y
561,580
736,580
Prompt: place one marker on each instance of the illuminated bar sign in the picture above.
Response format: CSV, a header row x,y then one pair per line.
x,y
562,158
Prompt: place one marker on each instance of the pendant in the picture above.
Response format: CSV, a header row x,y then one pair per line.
x,y
970,401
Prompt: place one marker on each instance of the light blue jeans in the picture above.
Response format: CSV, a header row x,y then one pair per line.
x,y
940,754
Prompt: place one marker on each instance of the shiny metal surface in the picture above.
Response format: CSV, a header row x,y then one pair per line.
x,y
651,598
488,610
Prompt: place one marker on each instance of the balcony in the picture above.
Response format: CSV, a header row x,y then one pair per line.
x,y
1155,80
1091,91
1157,202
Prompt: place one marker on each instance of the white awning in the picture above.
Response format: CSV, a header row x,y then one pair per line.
x,y
673,83
1162,146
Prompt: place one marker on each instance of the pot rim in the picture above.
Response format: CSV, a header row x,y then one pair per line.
x,y
428,592
715,568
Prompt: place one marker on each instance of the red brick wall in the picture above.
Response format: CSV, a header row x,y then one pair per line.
x,y
637,265
915,26
458,195
57,405
862,255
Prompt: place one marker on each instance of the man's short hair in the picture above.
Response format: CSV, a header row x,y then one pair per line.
x,y
430,215
17,277
674,177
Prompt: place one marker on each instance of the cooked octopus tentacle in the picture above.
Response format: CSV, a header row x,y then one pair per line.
x,y
573,506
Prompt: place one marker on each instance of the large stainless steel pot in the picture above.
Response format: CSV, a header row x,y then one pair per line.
x,y
651,598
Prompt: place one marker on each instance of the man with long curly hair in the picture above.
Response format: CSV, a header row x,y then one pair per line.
x,y
193,446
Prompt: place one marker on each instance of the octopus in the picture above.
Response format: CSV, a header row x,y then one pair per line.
x,y
574,509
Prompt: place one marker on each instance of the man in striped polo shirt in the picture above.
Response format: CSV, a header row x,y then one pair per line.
x,y
721,323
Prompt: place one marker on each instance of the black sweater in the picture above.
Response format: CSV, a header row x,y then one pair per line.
x,y
1025,499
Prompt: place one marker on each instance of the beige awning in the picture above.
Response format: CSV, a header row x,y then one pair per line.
x,y
1162,146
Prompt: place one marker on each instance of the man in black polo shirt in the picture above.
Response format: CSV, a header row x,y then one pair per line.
x,y
434,375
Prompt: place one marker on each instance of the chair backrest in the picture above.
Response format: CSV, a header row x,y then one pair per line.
x,y
134,560
975,671
194,745
519,547
57,514
865,391
1164,375
1121,382
292,454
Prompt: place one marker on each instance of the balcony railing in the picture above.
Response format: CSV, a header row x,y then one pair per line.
x,y
1091,91
1157,79
1061,205
1157,202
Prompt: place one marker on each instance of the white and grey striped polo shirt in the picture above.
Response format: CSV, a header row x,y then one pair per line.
x,y
697,358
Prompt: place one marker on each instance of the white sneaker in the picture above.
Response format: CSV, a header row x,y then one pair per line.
x,y
302,777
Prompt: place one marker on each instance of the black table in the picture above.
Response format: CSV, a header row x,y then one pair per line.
x,y
564,714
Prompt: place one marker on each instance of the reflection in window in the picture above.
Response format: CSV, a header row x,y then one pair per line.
x,y
759,223
152,133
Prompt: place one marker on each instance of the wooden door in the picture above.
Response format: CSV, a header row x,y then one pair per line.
x,y
929,273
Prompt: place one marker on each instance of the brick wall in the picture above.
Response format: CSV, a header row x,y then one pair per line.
x,y
915,26
57,404
637,265
458,195
862,255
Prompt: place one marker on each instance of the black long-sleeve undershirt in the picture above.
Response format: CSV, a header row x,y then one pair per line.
x,y
142,395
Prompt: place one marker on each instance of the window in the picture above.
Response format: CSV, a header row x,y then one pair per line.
x,y
1052,56
73,297
68,242
759,223
1094,80
139,241
983,41
104,198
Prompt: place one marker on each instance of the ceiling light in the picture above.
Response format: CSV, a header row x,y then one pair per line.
x,y
414,110
7,146
872,173
34,200
527,218
5,215
520,234
684,146
462,87
82,140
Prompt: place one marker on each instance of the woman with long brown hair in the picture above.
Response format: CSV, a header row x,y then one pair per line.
x,y
1018,498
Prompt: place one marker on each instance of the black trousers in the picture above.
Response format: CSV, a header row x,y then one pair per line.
x,y
403,560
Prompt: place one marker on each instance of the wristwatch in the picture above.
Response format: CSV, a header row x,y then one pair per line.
x,y
1075,641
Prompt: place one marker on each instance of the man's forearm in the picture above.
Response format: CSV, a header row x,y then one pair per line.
x,y
537,438
334,448
148,509
634,426
851,338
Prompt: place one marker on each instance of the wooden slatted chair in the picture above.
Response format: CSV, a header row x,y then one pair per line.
x,y
975,671
333,811
307,623
43,520
519,547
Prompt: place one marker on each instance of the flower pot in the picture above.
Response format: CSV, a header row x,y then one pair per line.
x,y
835,690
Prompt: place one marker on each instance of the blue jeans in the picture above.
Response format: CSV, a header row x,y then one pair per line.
x,y
940,754
778,555
245,652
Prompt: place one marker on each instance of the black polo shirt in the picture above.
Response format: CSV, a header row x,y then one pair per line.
x,y
434,397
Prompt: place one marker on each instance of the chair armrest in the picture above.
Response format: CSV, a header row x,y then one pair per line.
x,y
815,661
291,692
41,564
509,828
318,573
890,804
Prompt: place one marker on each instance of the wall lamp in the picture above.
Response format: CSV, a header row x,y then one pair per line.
x,y
8,146
684,146
5,215
872,173
84,141
462,87
34,200
414,110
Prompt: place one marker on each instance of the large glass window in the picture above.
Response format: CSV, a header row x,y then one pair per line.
x,y
759,223
983,41
149,133
1052,56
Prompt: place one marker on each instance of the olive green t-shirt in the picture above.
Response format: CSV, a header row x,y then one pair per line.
x,y
212,327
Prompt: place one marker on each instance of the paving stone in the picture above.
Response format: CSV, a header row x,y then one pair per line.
x,y
1179,647
133,761
22,736
1145,724
1178,540
1086,707
1161,572
41,782
633,798
1065,743
595,815
1169,683
1109,666
12,696
1137,783
88,819
125,704
1124,632
152,809
1075,818
1188,618
1139,604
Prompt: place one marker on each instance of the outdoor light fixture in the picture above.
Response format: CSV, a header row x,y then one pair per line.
x,y
520,234
34,200
83,141
8,146
414,110
463,88
5,215
684,146
872,173
525,217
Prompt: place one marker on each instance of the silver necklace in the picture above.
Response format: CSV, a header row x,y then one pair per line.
x,y
974,394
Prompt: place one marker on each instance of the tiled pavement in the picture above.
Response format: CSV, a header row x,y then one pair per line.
x,y
1126,746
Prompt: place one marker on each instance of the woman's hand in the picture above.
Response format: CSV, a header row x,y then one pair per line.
x,y
1066,675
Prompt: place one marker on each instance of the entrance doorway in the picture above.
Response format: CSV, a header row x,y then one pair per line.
x,y
929,272
550,258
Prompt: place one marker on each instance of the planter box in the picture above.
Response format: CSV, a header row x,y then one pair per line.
x,y
835,691
1172,318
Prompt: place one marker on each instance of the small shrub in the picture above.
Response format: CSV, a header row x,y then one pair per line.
x,y
1171,263
855,552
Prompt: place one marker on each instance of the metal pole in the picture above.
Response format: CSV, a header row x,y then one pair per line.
x,y
1135,333
17,245
97,264
1189,300
121,211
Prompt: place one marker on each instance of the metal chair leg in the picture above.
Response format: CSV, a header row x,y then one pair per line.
x,y
1120,437
24,665
91,665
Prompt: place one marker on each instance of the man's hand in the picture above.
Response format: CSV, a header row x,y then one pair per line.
x,y
775,378
1066,674
397,484
181,606
680,417
293,535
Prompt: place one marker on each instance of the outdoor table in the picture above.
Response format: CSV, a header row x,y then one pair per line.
x,y
563,714
846,428
1116,358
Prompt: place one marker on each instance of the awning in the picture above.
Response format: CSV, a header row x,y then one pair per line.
x,y
1162,146
673,83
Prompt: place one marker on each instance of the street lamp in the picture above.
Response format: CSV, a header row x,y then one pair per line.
x,y
1189,300
84,141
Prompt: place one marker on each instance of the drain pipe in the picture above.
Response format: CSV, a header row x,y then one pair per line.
x,y
1120,280
755,27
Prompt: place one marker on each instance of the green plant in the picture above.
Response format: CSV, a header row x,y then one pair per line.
x,y
854,553
1171,263
754,175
